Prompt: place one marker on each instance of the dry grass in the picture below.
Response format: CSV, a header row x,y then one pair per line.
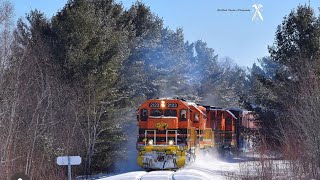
x,y
293,164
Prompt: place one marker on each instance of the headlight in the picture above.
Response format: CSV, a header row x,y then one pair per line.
x,y
163,104
171,142
150,142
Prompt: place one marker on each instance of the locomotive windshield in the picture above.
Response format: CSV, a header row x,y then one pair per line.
x,y
167,112
156,112
170,112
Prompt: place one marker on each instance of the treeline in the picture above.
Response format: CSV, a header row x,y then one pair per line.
x,y
285,93
70,84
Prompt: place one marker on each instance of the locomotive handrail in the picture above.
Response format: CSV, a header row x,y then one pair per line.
x,y
176,136
154,136
163,117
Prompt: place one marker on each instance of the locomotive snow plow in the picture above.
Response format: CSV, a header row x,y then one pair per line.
x,y
163,157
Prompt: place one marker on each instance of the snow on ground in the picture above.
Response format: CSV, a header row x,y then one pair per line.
x,y
125,176
206,167
158,175
209,167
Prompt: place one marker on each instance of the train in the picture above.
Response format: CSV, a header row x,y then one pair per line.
x,y
171,132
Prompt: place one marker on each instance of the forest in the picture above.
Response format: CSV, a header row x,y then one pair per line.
x,y
70,84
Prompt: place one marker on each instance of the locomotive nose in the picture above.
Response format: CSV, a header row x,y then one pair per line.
x,y
163,123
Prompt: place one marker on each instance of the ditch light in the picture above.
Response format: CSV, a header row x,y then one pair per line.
x,y
171,142
150,142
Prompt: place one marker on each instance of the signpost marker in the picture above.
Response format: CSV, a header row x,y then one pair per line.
x,y
69,161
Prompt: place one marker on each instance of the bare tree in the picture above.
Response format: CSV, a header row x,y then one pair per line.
x,y
299,131
6,27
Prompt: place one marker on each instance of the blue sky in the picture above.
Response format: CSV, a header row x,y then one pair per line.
x,y
231,34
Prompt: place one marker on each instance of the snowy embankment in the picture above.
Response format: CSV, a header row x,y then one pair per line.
x,y
205,167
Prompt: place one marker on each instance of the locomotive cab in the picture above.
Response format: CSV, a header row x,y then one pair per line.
x,y
165,139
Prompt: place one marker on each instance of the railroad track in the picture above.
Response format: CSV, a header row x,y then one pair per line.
x,y
157,175
203,169
182,174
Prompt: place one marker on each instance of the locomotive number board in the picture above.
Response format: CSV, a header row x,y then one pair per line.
x,y
169,105
154,105
172,105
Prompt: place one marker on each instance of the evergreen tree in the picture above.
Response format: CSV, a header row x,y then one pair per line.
x,y
90,43
278,84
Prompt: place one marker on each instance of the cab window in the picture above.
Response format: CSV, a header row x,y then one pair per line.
x,y
170,112
183,114
228,124
144,114
196,117
156,112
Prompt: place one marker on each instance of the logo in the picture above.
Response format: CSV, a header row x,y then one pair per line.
x,y
257,14
161,126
